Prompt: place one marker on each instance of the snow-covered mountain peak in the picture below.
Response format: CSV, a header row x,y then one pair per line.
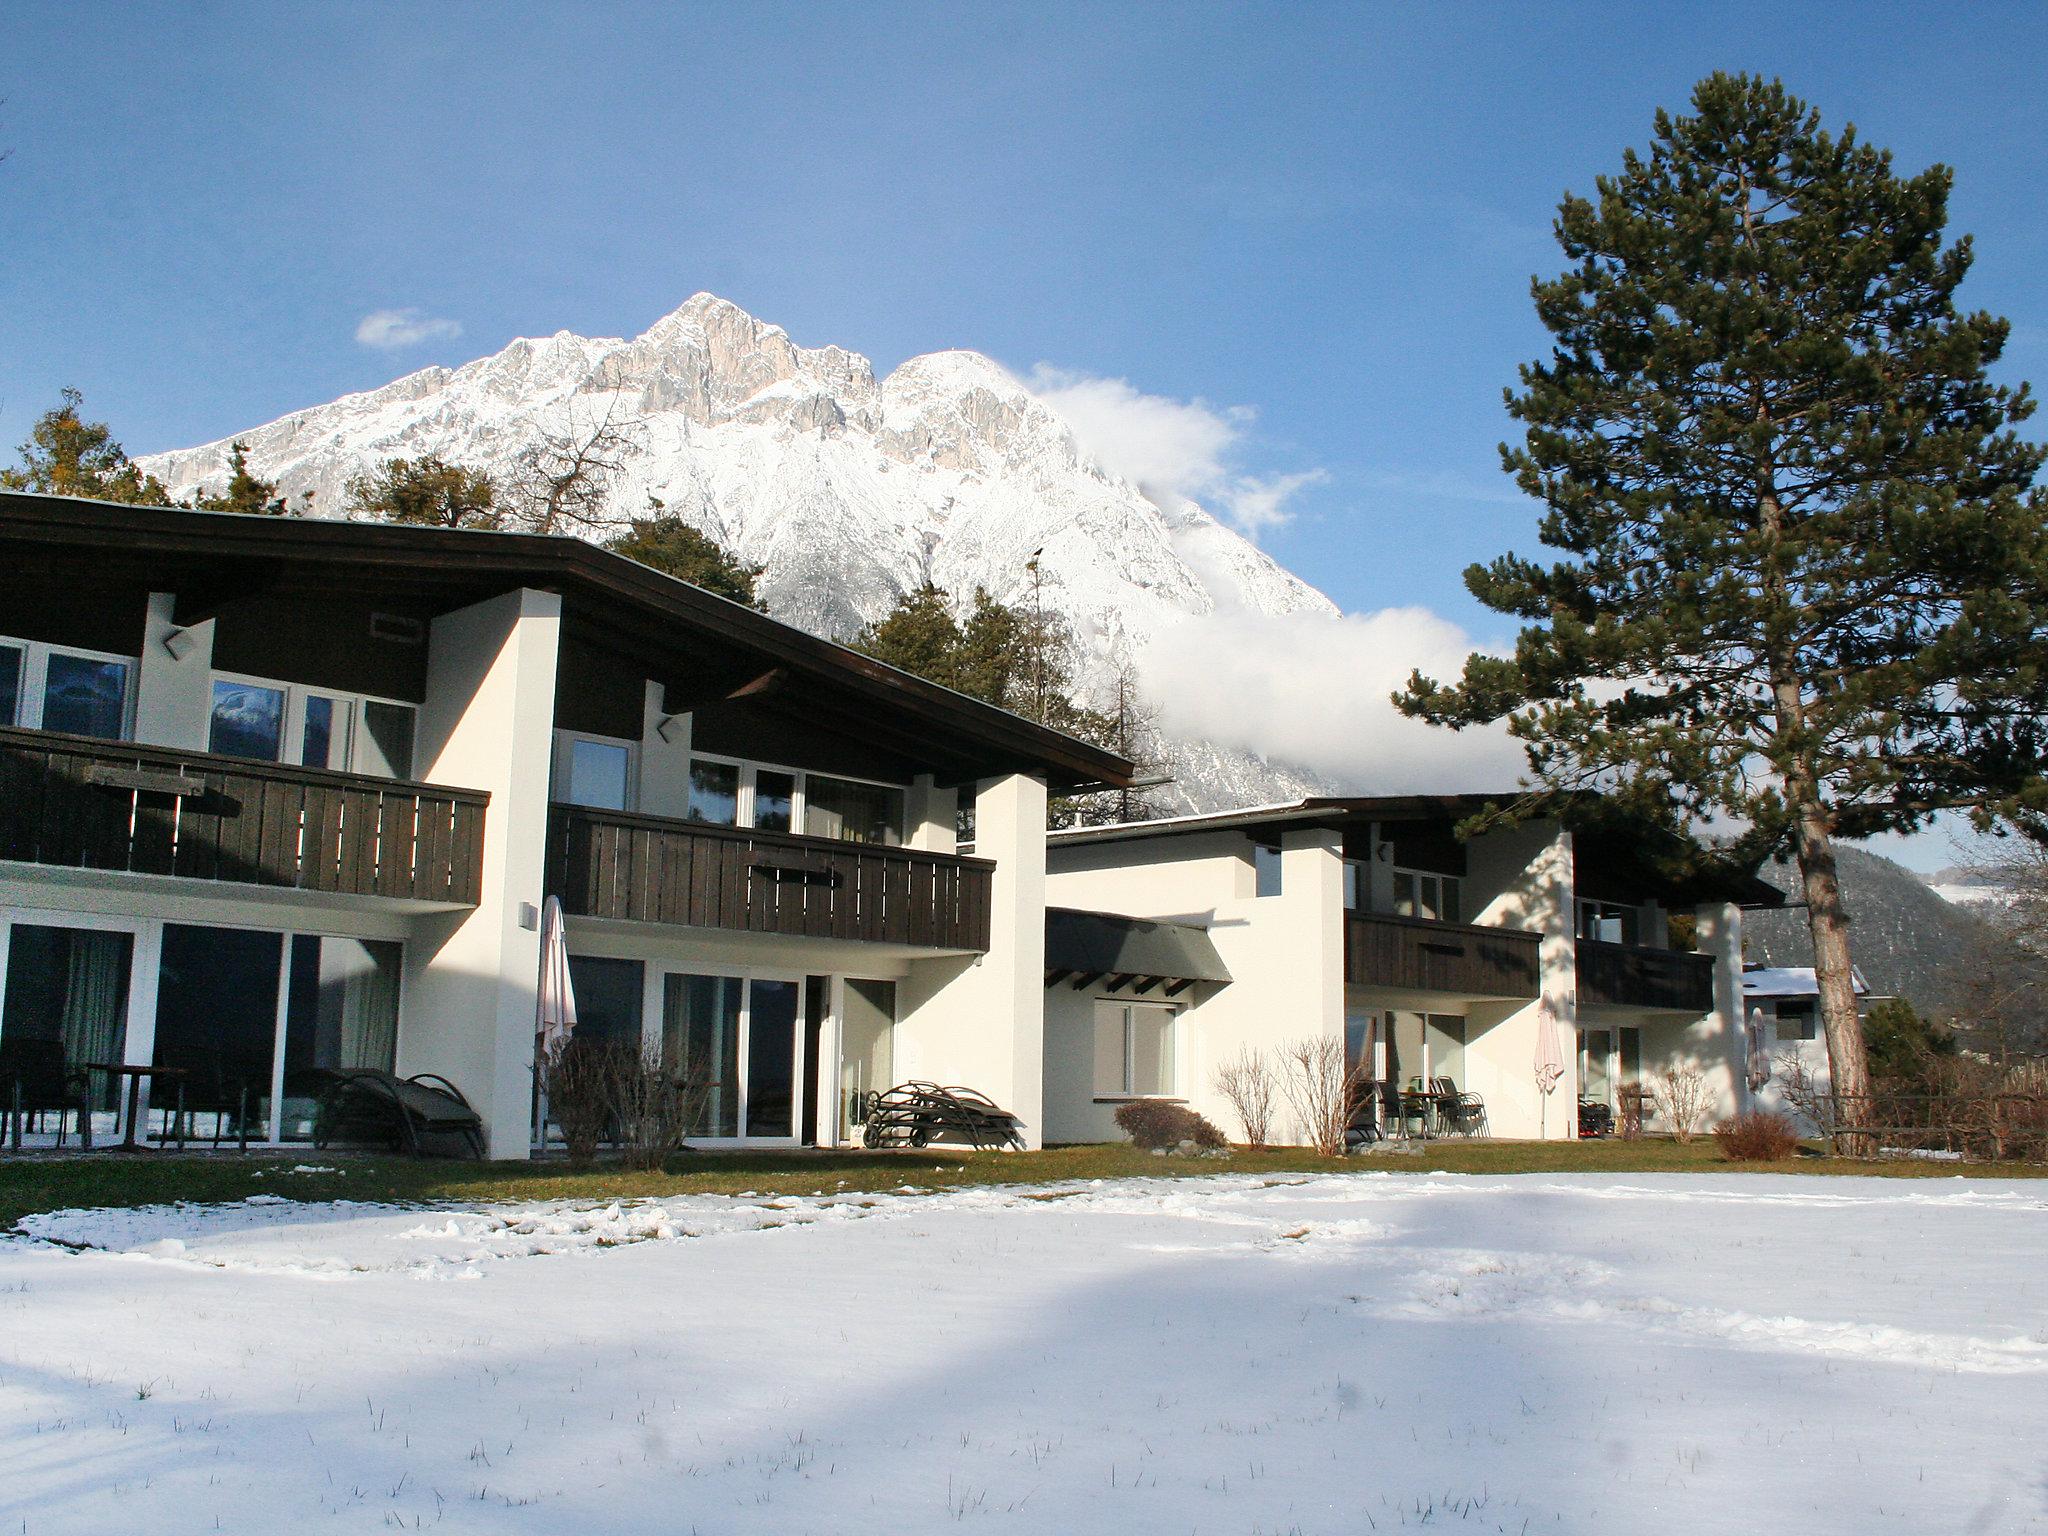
x,y
846,490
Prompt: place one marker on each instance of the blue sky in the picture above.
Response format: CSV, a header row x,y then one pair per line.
x,y
1319,220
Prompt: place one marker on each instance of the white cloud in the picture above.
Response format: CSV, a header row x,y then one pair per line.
x,y
392,330
1175,451
1313,690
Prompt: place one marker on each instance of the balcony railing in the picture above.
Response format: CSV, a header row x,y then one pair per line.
x,y
72,802
1628,976
650,869
1415,955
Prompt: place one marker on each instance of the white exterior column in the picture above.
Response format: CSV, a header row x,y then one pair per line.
x,y
1310,913
471,977
1719,1036
173,693
1557,911
980,1022
931,816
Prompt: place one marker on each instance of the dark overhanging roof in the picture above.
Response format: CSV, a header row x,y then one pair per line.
x,y
1656,861
1114,951
608,599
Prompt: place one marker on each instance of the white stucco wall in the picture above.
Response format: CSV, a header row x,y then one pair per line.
x,y
470,977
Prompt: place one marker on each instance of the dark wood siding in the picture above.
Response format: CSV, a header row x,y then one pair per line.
x,y
650,869
1625,975
320,643
1415,955
92,618
599,691
73,803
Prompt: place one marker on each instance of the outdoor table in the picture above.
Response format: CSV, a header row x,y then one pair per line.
x,y
135,1074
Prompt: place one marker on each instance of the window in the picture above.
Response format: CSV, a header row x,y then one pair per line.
x,y
11,658
728,793
597,773
1609,922
1133,1050
67,1005
341,1010
714,793
248,721
700,1037
386,747
1265,870
852,812
1796,1022
867,1063
1357,885
323,734
774,801
1417,893
608,1000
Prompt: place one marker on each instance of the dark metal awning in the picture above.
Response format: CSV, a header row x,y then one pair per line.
x,y
1117,953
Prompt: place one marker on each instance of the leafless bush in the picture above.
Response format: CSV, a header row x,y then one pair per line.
x,y
1156,1124
577,1077
1682,1097
1757,1137
1246,1082
1318,1086
652,1107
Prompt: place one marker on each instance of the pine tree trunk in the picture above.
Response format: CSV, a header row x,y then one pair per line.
x,y
1848,1064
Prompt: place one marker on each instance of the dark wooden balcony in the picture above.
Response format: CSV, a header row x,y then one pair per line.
x,y
650,869
1413,954
71,802
1629,976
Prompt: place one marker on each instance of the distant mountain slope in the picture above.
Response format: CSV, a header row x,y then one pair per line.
x,y
848,490
1904,937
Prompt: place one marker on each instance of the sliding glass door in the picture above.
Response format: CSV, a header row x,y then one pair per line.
x,y
740,1034
65,1006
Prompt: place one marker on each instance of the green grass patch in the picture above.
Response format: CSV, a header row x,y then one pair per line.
x,y
31,1184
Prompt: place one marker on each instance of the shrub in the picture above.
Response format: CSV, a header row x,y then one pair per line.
x,y
1320,1087
1682,1096
1246,1081
1162,1126
1757,1137
653,1108
578,1082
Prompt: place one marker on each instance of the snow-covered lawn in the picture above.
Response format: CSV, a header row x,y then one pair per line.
x,y
1343,1353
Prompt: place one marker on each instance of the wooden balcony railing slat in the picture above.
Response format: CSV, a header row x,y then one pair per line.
x,y
652,869
76,803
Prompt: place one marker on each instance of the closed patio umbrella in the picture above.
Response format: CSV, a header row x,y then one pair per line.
x,y
555,1008
1753,1050
1549,1061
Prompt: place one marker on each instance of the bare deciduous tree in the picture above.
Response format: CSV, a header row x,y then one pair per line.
x,y
1246,1082
562,482
1318,1084
1682,1099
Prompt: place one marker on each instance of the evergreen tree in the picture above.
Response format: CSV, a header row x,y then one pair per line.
x,y
427,491
67,455
921,636
246,492
672,546
1806,576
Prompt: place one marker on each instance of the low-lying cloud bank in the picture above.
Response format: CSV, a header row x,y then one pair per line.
x,y
1316,692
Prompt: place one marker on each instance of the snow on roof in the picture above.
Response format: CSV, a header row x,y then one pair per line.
x,y
1790,981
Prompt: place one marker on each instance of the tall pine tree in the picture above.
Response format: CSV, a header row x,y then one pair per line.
x,y
1805,580
66,455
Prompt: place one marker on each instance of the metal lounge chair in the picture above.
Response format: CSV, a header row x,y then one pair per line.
x,y
1464,1113
916,1114
423,1113
34,1082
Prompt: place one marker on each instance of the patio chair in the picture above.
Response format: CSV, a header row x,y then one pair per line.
x,y
425,1114
1595,1118
35,1082
916,1114
1406,1106
1362,1129
216,1081
1464,1113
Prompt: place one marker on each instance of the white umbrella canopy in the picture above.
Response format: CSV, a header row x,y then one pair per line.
x,y
1549,1059
556,1019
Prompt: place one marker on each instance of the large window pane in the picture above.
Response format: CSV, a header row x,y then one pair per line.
x,y
774,800
854,813
1151,1049
86,696
11,658
607,999
67,1005
341,1010
1111,1031
714,793
248,721
771,1058
700,1033
387,740
867,1049
1265,870
599,774
216,1021
1406,901
323,742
